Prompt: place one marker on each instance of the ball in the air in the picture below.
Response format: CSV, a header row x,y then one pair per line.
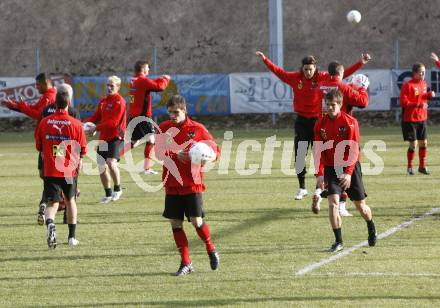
x,y
354,17
201,152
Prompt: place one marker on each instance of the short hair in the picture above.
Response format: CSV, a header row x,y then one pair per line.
x,y
43,78
417,66
334,68
309,60
115,80
65,88
177,101
62,100
139,65
334,95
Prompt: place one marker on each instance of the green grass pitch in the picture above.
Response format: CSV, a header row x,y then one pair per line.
x,y
127,253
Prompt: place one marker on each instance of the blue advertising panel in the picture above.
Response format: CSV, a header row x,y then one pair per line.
x,y
205,94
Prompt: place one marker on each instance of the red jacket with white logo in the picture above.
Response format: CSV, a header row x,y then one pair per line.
x,y
181,178
307,97
414,97
343,130
62,140
110,117
352,98
140,91
34,111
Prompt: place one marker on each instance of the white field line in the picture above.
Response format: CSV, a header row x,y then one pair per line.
x,y
346,252
357,274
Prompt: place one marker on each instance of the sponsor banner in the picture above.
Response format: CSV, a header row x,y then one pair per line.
x,y
18,89
204,94
265,93
259,93
87,92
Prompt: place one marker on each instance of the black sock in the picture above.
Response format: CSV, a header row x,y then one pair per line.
x,y
302,179
43,197
371,226
49,221
72,229
117,188
338,235
108,192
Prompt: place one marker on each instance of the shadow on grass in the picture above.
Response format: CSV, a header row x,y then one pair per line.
x,y
238,301
149,274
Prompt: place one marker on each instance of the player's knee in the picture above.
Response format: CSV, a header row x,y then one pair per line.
x,y
101,168
176,224
197,222
333,206
112,163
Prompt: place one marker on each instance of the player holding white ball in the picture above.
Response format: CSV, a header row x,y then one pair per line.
x,y
200,153
183,179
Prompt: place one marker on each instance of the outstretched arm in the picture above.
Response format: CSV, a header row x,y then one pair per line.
x,y
436,59
365,58
283,75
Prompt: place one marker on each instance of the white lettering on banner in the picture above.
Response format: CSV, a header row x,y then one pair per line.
x,y
259,93
283,87
18,88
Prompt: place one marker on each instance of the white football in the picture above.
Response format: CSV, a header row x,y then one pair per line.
x,y
360,81
354,17
201,152
88,126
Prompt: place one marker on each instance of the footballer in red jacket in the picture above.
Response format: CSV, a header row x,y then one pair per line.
x,y
353,96
183,179
307,103
62,141
110,120
414,96
141,106
336,152
48,93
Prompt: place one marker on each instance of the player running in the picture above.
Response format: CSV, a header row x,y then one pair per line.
x,y
336,152
140,91
61,140
355,95
183,180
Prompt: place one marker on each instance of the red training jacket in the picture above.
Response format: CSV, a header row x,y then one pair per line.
x,y
110,117
342,128
414,100
352,98
307,97
181,178
61,161
34,111
140,91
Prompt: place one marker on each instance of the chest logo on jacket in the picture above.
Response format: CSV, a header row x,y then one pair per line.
x,y
323,134
342,131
